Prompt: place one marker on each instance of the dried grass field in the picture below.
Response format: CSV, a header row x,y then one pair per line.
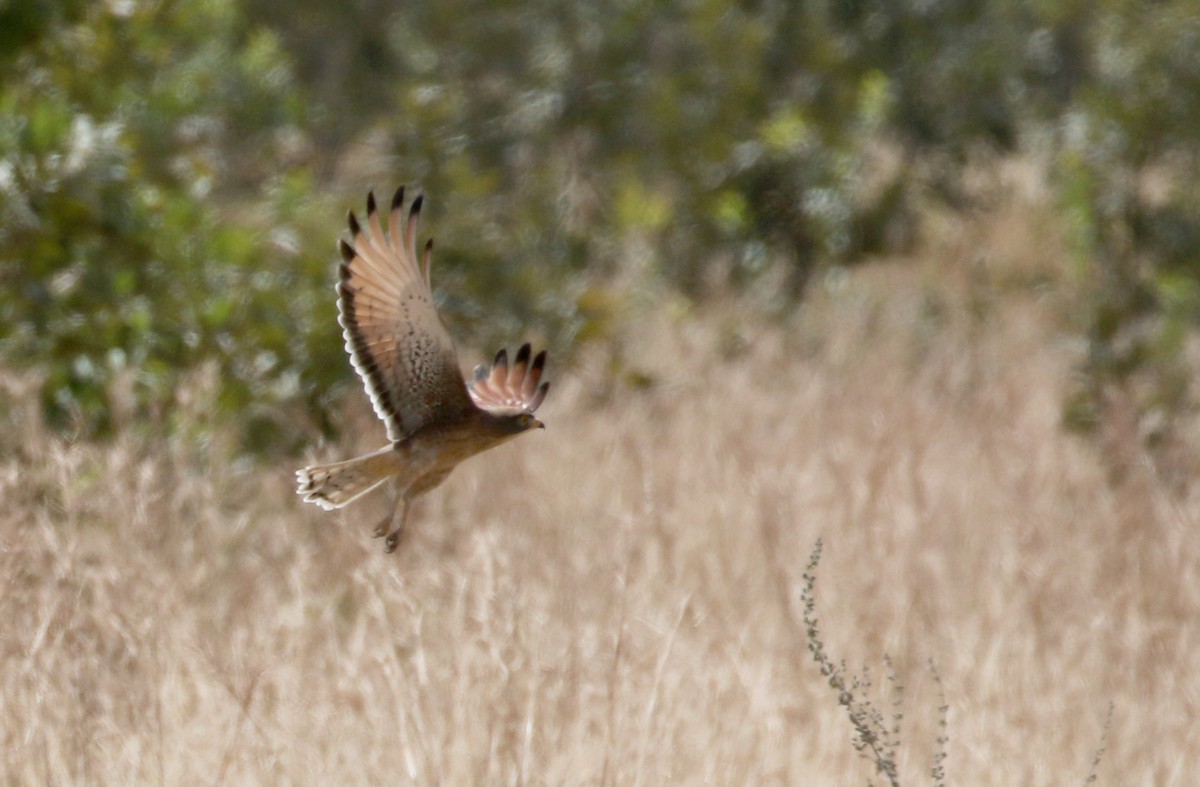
x,y
617,600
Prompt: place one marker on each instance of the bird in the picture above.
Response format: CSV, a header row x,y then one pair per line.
x,y
400,348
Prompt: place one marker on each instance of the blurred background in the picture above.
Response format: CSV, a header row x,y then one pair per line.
x,y
919,278
173,175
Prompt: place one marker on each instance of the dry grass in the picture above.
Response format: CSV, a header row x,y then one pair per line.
x,y
618,600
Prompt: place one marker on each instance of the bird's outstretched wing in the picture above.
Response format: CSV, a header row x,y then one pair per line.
x,y
501,388
396,340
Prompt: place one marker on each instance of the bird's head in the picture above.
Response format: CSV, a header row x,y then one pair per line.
x,y
522,422
511,424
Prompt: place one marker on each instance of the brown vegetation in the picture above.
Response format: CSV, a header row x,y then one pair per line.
x,y
618,600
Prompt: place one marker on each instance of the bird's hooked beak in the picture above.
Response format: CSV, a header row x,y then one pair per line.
x,y
537,424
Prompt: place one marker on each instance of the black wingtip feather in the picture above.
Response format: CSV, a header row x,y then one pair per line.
x,y
501,359
523,354
353,221
348,252
416,206
398,198
370,203
540,360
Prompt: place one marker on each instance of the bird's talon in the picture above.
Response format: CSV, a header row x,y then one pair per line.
x,y
389,546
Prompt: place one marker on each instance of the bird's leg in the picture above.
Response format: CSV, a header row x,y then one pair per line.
x,y
393,538
385,524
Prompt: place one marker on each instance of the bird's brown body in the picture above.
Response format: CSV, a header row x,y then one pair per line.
x,y
407,361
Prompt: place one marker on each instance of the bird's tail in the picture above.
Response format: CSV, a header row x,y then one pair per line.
x,y
334,485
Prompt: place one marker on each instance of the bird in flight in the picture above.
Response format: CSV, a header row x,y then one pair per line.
x,y
406,359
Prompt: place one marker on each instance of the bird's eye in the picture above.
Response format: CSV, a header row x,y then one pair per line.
x,y
523,419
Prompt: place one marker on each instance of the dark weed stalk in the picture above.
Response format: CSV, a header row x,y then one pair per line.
x,y
873,738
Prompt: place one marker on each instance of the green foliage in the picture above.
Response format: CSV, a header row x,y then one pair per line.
x,y
679,138
1129,169
160,166
130,244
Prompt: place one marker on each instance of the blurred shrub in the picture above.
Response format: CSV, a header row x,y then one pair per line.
x,y
685,143
681,140
133,244
1129,167
165,170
